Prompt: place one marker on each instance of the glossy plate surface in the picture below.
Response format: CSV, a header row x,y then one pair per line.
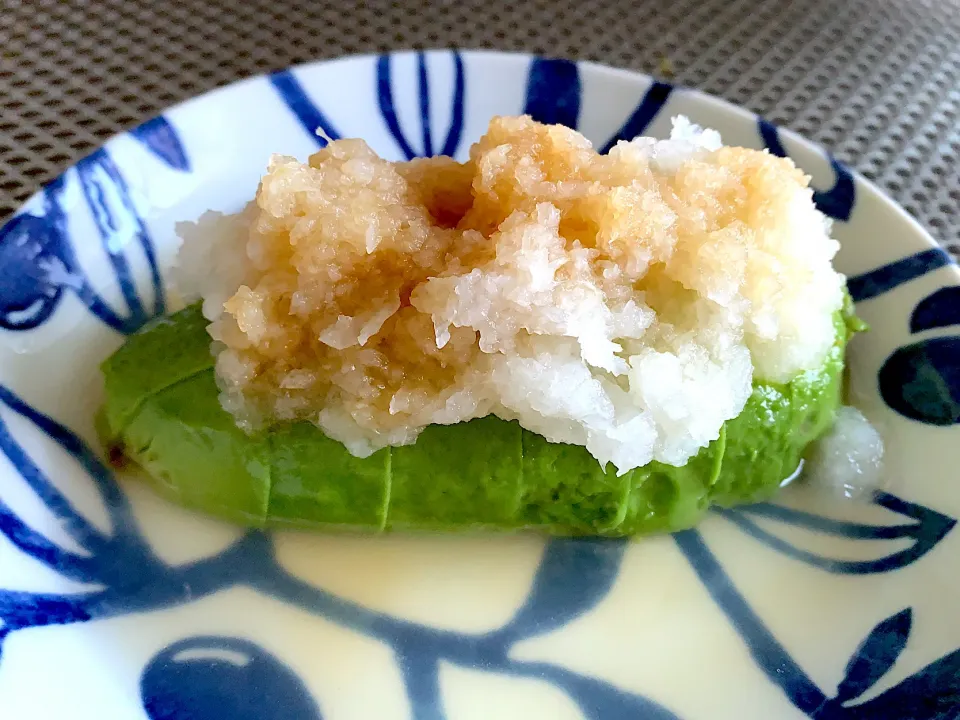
x,y
116,604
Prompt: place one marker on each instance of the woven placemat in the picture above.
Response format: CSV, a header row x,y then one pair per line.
x,y
876,81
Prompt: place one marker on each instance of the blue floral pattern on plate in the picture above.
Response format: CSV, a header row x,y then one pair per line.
x,y
205,676
38,254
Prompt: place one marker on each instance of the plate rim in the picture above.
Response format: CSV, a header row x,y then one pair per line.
x,y
718,103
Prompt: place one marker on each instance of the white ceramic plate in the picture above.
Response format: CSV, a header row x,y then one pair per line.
x,y
116,604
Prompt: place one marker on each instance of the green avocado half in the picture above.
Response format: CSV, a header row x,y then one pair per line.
x,y
162,412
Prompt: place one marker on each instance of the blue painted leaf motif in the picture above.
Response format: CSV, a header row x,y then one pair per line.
x,y
553,96
119,561
160,138
651,104
76,525
767,652
294,96
887,277
922,381
597,700
39,266
24,609
875,656
37,255
574,575
454,134
838,201
31,254
931,694
130,576
208,678
553,92
387,110
124,531
939,309
420,675
28,541
929,528
389,113
120,225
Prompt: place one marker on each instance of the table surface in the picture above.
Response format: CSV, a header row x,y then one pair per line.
x,y
875,81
